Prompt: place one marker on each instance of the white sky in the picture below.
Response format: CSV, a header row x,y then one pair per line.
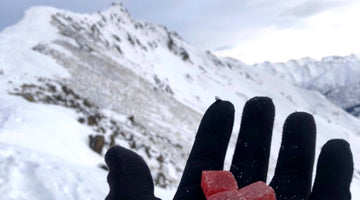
x,y
249,30
332,32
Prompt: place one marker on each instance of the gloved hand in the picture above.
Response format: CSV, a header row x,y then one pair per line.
x,y
130,179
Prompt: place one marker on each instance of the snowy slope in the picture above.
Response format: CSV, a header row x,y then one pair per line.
x,y
334,76
66,76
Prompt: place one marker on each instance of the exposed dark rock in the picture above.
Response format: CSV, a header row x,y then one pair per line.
x,y
104,167
81,120
354,110
97,143
132,119
160,180
92,121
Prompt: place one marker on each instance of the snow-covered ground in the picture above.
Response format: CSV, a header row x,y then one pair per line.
x,y
334,76
125,68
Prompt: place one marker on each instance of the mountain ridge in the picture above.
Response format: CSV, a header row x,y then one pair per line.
x,y
335,77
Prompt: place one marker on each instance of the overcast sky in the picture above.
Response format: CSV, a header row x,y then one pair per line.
x,y
250,30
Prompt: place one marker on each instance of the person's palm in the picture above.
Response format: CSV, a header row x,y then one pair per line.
x,y
130,179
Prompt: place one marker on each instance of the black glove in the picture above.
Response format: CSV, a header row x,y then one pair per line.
x,y
130,179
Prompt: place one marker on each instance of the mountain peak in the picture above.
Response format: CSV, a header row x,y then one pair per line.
x,y
116,11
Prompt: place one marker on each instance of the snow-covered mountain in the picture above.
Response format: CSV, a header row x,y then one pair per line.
x,y
338,78
73,81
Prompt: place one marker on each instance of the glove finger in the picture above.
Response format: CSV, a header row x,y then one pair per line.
x,y
209,149
251,157
293,172
129,177
334,172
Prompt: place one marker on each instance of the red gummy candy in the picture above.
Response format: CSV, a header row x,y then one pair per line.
x,y
217,181
227,195
258,191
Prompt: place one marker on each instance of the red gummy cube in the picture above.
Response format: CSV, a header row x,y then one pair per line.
x,y
258,191
227,195
217,181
